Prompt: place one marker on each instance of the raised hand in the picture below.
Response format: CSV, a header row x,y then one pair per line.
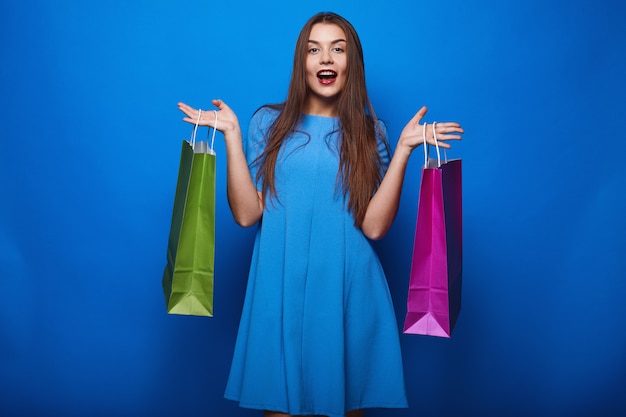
x,y
227,121
413,133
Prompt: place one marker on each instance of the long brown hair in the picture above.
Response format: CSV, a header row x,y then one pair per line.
x,y
360,165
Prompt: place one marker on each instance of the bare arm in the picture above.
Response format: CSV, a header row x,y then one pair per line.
x,y
383,206
245,202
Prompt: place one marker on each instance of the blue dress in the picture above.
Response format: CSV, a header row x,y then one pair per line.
x,y
318,333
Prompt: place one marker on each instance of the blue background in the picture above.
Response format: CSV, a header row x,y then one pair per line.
x,y
90,145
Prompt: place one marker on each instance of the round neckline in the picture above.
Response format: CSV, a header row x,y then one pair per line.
x,y
320,116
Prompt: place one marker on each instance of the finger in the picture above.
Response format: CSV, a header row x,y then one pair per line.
x,y
443,144
184,107
194,120
440,142
449,127
419,115
217,103
220,104
199,117
448,137
189,111
448,124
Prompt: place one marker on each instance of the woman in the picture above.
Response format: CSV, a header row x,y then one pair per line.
x,y
318,333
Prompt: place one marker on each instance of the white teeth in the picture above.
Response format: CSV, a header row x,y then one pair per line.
x,y
327,74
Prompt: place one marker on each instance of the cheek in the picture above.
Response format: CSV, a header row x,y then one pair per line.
x,y
310,67
344,67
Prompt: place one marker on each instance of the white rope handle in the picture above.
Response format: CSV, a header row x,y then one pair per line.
x,y
436,144
426,146
192,141
214,130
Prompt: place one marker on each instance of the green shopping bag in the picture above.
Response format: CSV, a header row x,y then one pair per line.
x,y
189,275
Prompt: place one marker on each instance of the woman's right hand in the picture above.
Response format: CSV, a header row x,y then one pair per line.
x,y
245,201
227,121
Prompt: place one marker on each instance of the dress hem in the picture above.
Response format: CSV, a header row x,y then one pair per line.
x,y
315,412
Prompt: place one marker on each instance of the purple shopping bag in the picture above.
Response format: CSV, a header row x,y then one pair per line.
x,y
434,297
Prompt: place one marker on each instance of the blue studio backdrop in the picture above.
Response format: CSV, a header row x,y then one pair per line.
x,y
90,145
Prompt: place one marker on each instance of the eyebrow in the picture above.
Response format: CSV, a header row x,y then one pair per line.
x,y
333,42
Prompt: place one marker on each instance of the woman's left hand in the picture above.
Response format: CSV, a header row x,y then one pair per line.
x,y
413,133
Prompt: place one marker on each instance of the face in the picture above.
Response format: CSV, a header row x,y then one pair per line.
x,y
326,66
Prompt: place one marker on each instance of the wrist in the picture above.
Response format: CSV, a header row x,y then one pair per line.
x,y
403,150
231,134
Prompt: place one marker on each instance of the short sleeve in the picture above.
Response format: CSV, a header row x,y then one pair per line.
x,y
254,144
383,146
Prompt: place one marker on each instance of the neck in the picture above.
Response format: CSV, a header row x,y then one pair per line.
x,y
318,106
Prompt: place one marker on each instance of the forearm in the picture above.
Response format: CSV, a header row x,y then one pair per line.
x,y
243,198
383,206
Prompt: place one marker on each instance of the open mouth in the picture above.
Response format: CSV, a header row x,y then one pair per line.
x,y
326,76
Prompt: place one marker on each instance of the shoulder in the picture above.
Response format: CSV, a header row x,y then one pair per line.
x,y
383,127
382,134
265,116
260,124
382,141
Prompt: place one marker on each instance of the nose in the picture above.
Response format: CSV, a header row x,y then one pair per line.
x,y
326,57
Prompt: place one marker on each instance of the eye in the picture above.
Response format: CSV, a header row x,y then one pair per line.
x,y
313,50
338,49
